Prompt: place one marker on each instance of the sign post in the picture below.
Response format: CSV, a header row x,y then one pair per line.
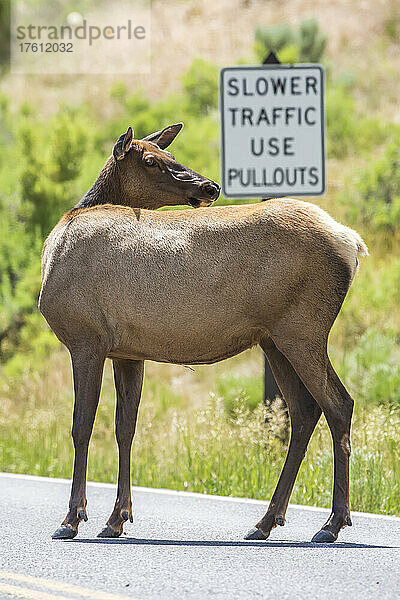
x,y
272,137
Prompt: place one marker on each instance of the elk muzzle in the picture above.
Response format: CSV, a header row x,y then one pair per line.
x,y
207,194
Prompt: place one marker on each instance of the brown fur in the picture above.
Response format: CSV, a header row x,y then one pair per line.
x,y
215,281
196,287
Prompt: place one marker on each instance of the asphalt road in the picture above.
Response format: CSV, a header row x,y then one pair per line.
x,y
185,546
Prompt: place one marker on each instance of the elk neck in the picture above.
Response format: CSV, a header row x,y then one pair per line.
x,y
106,189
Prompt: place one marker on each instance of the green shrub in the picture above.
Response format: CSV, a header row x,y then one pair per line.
x,y
348,130
200,85
307,44
19,279
370,369
273,38
51,159
340,120
375,200
68,140
49,156
312,42
5,121
391,25
289,55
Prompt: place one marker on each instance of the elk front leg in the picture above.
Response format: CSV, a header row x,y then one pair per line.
x,y
128,377
87,370
304,414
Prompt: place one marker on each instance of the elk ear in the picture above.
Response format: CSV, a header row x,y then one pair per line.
x,y
123,144
164,137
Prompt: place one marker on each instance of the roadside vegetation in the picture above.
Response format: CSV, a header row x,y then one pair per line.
x,y
206,430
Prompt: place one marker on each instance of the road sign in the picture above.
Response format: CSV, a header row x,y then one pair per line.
x,y
273,130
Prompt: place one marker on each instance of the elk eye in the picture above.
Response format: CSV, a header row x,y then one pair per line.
x,y
150,162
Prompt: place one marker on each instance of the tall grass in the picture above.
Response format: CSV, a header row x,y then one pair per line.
x,y
202,432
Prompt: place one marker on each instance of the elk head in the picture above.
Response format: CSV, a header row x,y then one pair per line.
x,y
149,173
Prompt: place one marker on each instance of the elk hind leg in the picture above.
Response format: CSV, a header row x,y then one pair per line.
x,y
312,363
304,414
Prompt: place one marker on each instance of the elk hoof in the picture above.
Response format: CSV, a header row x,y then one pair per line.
x,y
255,534
65,532
109,532
324,537
82,515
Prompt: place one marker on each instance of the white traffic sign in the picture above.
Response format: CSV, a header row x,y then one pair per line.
x,y
272,128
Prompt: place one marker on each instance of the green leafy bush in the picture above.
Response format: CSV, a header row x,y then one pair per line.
x,y
350,131
200,85
307,44
289,55
19,279
67,145
273,38
51,160
391,25
312,42
371,368
375,199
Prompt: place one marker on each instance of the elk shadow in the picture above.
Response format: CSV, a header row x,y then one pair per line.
x,y
227,544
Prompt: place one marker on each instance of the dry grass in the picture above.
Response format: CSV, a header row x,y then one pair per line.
x,y
223,32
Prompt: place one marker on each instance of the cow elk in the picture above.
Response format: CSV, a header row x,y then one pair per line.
x,y
195,287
